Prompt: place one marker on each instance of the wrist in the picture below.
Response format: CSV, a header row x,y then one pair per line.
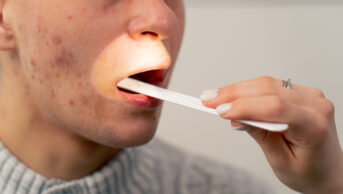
x,y
332,184
332,189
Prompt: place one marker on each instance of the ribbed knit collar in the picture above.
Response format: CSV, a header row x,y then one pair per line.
x,y
127,173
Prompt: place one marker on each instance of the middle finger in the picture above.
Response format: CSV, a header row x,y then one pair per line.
x,y
263,86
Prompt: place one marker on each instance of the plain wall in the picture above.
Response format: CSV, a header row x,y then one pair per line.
x,y
232,42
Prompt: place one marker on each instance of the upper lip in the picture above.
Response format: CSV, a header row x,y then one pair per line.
x,y
163,66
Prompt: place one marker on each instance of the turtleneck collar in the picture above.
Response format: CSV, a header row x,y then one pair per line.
x,y
127,172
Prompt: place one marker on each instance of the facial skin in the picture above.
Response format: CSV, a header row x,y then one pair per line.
x,y
60,63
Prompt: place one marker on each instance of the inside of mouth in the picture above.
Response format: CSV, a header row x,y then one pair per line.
x,y
151,77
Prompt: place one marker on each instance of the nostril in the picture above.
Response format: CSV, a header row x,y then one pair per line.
x,y
149,33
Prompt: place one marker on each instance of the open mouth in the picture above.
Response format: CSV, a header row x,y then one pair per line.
x,y
154,77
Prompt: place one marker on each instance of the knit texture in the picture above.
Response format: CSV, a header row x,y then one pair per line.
x,y
155,168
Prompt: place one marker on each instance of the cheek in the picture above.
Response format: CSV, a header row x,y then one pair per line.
x,y
52,65
55,76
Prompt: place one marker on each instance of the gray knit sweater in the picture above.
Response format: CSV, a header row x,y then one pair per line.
x,y
155,168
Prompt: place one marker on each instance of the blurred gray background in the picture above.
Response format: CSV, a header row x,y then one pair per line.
x,y
231,41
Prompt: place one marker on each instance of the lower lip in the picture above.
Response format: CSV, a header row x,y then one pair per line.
x,y
140,100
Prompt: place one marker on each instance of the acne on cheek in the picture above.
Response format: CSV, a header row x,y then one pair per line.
x,y
56,40
33,67
33,62
84,99
35,76
71,102
41,31
61,60
63,57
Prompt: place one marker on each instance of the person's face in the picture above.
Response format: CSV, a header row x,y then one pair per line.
x,y
73,52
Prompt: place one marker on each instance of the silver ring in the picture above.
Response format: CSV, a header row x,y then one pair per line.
x,y
287,83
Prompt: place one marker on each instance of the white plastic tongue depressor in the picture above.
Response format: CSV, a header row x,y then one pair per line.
x,y
189,101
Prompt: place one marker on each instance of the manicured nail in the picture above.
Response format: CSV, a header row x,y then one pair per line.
x,y
242,128
224,108
209,95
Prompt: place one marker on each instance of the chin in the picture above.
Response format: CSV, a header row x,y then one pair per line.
x,y
130,137
125,132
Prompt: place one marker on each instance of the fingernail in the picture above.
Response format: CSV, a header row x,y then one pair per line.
x,y
224,108
242,128
209,95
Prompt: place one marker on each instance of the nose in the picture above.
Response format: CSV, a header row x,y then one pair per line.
x,y
155,19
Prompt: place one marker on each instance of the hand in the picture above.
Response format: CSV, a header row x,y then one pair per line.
x,y
307,157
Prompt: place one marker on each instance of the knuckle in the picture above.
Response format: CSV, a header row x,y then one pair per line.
x,y
268,88
266,79
322,126
266,85
318,92
328,108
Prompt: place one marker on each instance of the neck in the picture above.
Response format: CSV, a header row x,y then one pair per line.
x,y
44,146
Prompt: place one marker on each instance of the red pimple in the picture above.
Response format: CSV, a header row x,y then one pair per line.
x,y
71,102
57,40
33,62
70,17
64,58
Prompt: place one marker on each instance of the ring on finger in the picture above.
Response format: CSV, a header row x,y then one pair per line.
x,y
287,83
